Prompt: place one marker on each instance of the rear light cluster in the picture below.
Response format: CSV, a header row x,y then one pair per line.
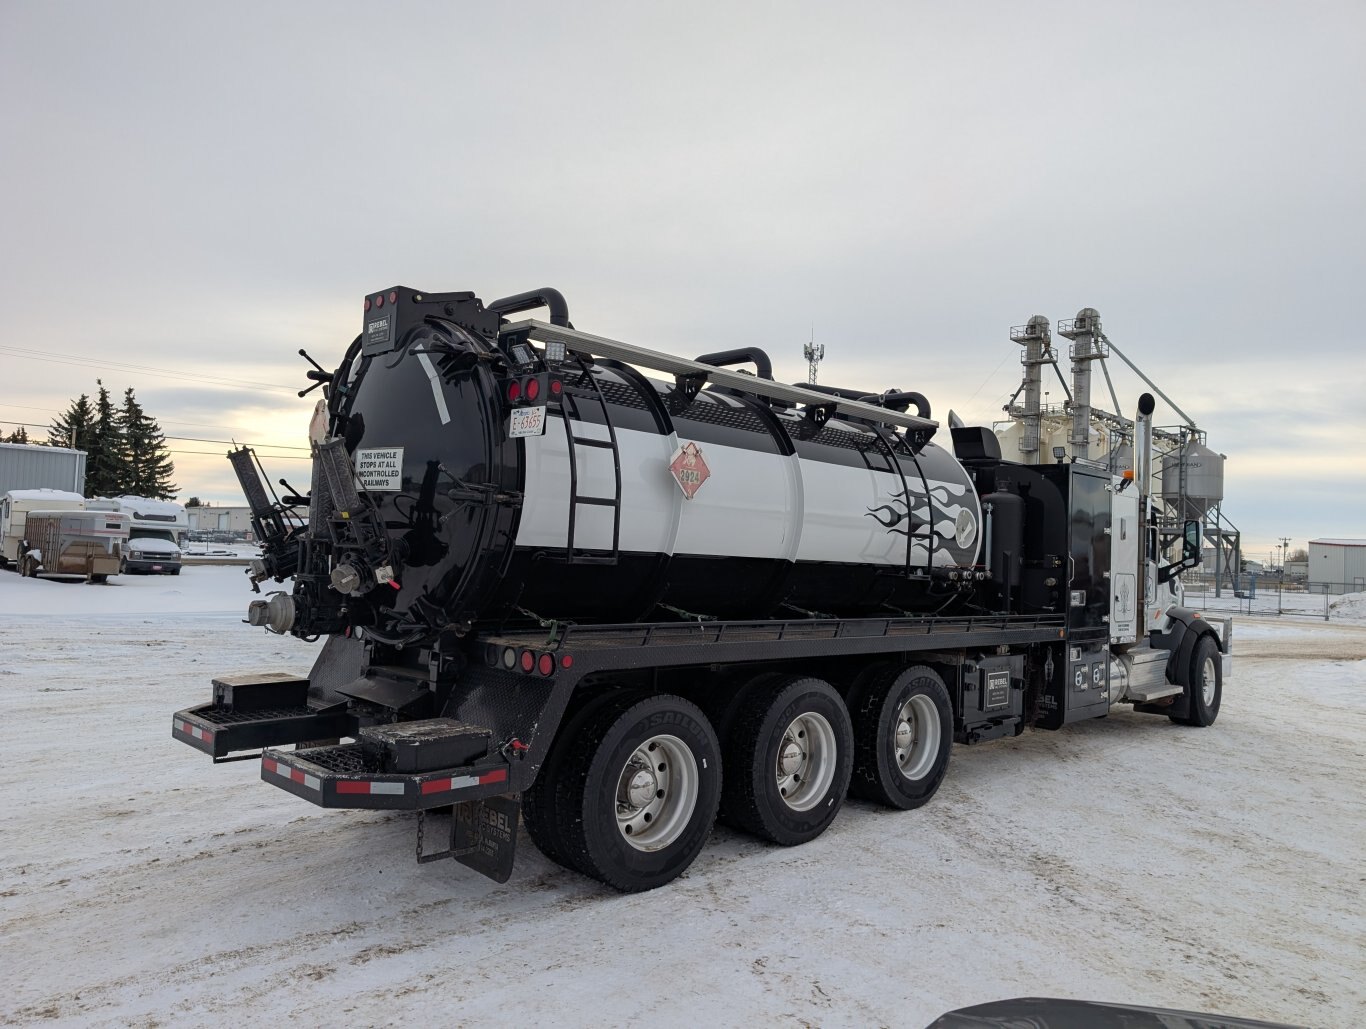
x,y
528,661
380,299
532,390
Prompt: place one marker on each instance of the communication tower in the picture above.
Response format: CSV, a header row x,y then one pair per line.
x,y
814,353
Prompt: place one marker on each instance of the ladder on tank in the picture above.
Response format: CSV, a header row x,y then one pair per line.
x,y
574,554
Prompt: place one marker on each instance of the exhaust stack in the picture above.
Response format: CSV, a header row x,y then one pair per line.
x,y
1143,447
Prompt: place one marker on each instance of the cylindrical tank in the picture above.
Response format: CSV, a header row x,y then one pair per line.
x,y
1204,479
728,507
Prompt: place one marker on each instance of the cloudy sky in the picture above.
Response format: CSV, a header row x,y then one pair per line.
x,y
194,192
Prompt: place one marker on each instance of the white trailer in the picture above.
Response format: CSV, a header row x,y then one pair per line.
x,y
14,510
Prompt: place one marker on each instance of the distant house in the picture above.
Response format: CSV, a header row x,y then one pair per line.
x,y
1337,565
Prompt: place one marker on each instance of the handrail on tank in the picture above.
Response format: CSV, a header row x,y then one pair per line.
x,y
896,400
529,301
739,356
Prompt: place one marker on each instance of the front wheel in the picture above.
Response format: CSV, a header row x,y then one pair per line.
x,y
1204,684
638,790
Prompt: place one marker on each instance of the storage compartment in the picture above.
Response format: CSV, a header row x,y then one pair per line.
x,y
426,745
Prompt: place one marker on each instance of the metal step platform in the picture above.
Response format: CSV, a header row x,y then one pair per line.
x,y
249,712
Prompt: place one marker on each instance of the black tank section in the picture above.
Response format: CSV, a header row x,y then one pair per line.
x,y
450,533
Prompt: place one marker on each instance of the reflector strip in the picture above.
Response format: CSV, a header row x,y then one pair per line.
x,y
196,732
435,379
293,774
461,782
352,786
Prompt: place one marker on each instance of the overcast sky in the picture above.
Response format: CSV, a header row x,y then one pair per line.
x,y
193,192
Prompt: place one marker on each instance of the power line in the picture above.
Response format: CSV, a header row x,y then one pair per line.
x,y
100,363
167,421
181,439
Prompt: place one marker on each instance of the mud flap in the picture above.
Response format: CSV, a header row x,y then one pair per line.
x,y
485,835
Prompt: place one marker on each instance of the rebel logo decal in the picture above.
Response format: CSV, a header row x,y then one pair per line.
x,y
956,523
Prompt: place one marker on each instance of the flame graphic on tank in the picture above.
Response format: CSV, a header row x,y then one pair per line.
x,y
916,510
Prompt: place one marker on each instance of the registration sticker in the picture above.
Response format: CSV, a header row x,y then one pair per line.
x,y
526,421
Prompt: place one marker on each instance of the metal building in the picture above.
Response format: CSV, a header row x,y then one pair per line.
x,y
1337,566
219,519
31,466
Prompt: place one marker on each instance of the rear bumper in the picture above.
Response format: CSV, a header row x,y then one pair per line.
x,y
336,777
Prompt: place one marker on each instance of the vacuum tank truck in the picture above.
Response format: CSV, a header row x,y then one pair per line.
x,y
621,605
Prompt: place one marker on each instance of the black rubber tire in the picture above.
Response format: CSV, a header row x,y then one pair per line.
x,y
875,713
1199,713
175,571
752,800
586,802
539,800
722,702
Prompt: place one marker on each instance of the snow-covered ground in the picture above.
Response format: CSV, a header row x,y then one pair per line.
x,y
1125,859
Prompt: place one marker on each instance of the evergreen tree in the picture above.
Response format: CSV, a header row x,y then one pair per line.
x,y
192,502
72,429
106,466
19,435
148,464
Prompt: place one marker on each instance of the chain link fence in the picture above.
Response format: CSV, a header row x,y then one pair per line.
x,y
1268,595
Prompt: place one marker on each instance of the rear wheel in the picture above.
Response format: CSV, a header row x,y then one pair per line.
x,y
903,736
1204,684
789,756
637,792
539,803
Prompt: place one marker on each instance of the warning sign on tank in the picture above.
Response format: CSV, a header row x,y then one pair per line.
x,y
380,470
689,469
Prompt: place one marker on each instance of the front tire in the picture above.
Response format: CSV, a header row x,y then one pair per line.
x,y
903,737
789,756
637,793
1204,684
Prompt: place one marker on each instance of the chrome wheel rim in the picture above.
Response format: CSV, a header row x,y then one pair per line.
x,y
656,793
915,737
1208,681
805,765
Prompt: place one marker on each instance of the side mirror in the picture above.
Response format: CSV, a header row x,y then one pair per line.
x,y
1191,541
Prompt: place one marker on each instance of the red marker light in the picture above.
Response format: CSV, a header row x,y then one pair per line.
x,y
567,661
546,664
533,389
514,391
393,297
379,300
528,660
556,387
367,303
